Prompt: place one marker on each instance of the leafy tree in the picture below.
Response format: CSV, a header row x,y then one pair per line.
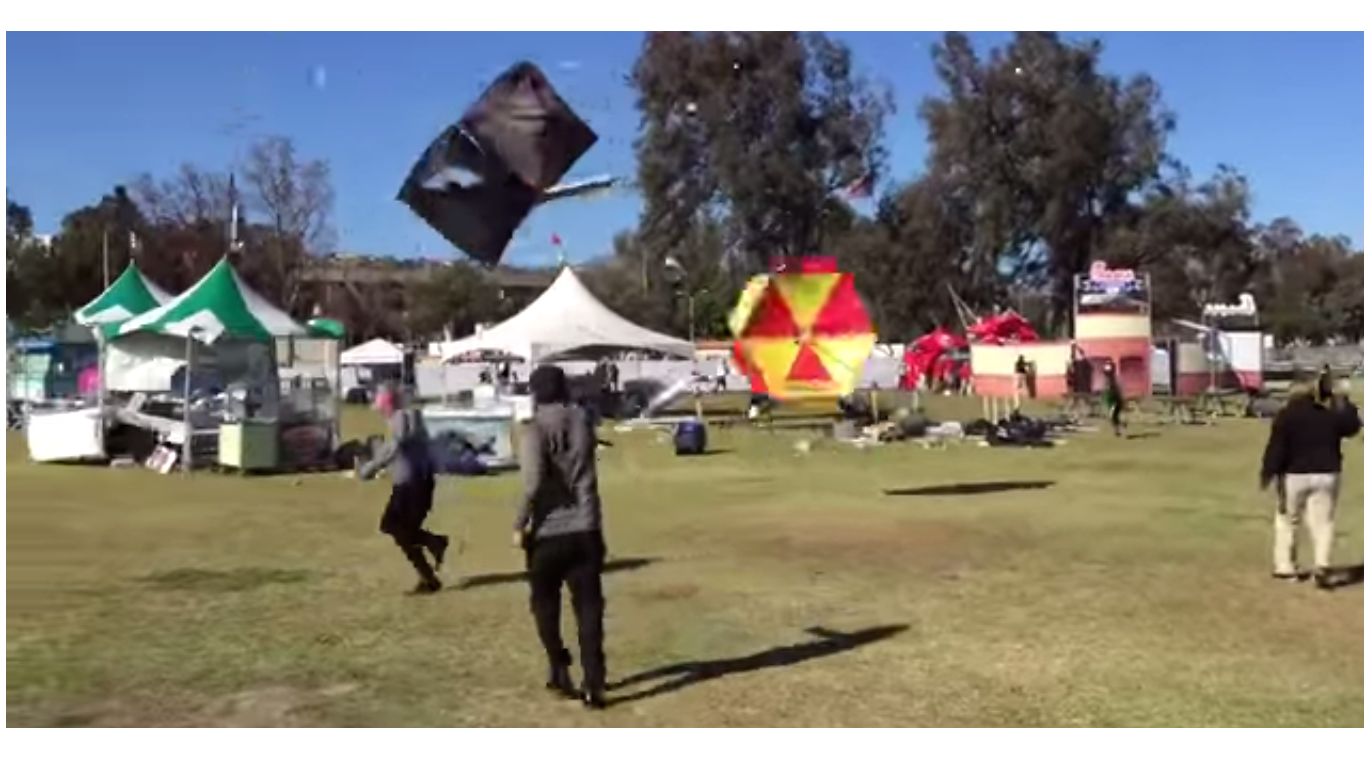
x,y
1044,150
22,257
907,259
1345,300
1194,240
758,133
1317,287
18,222
455,298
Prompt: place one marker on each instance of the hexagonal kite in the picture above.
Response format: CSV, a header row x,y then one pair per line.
x,y
802,331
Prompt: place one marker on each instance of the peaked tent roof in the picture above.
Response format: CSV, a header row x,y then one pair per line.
x,y
565,318
127,297
220,305
373,352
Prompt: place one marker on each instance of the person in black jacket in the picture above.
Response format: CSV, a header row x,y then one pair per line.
x,y
1113,397
1303,457
1325,384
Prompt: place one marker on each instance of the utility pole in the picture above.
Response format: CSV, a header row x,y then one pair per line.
x,y
104,254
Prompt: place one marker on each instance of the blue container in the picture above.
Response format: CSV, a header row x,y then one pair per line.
x,y
690,438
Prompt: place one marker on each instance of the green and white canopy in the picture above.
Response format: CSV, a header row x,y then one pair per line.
x,y
125,298
220,306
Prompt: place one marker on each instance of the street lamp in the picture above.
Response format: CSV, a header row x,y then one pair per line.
x,y
679,276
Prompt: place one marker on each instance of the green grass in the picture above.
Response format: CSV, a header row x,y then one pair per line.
x,y
1133,591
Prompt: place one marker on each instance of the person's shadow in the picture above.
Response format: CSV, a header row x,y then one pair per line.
x,y
678,676
496,579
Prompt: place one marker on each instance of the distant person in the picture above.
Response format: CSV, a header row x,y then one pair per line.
x,y
559,525
1303,457
1021,379
613,376
1113,397
601,378
407,457
1325,384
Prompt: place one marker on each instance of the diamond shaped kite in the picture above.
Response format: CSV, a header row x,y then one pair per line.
x,y
480,178
802,331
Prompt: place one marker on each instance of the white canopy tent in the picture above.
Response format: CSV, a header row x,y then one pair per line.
x,y
373,352
564,319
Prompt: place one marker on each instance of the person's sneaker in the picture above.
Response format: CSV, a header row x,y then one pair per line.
x,y
426,587
595,700
438,550
1322,579
1287,575
560,684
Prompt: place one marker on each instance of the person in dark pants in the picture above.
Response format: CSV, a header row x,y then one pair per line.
x,y
559,525
1326,384
1114,397
407,458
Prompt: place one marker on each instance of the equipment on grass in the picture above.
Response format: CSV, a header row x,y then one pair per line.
x,y
690,438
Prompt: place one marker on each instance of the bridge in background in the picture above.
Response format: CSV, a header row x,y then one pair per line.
x,y
348,272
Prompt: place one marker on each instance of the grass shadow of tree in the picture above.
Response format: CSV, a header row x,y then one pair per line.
x,y
229,580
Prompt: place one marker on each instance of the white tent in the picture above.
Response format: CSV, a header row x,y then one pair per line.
x,y
564,319
373,352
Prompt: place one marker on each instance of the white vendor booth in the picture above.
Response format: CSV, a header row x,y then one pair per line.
x,y
78,434
374,361
565,322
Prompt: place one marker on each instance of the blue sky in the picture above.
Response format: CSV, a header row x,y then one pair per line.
x,y
87,111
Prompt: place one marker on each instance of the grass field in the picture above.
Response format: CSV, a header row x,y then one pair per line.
x,y
1120,582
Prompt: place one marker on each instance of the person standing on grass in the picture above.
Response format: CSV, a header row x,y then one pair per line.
x,y
1303,457
1113,397
407,457
559,525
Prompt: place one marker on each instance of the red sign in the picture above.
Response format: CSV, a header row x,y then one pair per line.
x,y
1101,273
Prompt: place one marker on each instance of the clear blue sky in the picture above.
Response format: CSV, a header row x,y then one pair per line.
x,y
87,111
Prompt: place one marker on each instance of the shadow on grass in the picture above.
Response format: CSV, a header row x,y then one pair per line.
x,y
510,577
1141,435
230,580
679,676
972,489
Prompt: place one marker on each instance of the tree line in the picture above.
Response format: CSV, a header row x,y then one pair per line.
x,y
756,145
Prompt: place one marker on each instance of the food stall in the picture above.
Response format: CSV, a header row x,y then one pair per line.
x,y
199,376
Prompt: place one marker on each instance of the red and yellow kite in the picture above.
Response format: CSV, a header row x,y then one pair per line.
x,y
802,331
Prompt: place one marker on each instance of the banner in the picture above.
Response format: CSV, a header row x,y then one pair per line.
x,y
1114,291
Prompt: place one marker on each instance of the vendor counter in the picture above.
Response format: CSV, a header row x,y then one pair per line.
x,y
249,446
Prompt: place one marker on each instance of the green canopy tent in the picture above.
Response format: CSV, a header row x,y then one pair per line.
x,y
221,305
127,297
220,325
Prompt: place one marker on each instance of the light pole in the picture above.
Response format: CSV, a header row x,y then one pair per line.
x,y
679,277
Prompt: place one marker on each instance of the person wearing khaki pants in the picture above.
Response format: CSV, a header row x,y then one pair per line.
x,y
1303,457
1311,499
